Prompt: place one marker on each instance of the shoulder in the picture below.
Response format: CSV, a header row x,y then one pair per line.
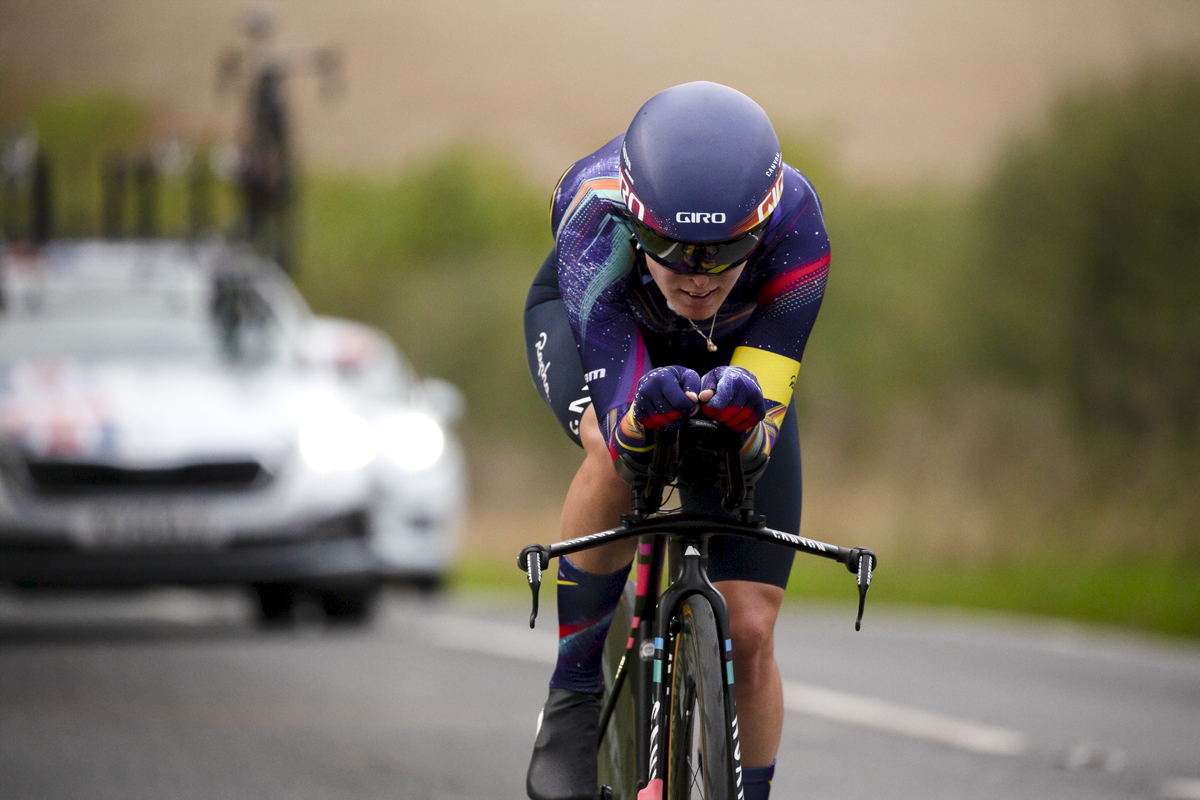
x,y
799,197
593,177
591,236
797,227
796,246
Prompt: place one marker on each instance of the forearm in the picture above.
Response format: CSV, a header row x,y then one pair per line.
x,y
628,443
758,441
776,375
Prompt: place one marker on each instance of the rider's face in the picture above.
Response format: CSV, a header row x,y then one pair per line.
x,y
694,296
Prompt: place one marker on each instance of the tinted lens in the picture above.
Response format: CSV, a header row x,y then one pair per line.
x,y
708,258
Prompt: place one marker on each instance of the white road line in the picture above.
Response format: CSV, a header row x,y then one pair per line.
x,y
505,640
1182,789
493,638
881,715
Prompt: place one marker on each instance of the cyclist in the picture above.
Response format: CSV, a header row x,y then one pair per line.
x,y
688,268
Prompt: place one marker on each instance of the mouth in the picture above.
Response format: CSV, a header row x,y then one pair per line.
x,y
699,295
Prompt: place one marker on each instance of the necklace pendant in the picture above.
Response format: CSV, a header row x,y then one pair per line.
x,y
708,342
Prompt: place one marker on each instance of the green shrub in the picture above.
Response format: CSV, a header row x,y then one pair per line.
x,y
894,322
461,203
441,257
79,134
1092,247
85,136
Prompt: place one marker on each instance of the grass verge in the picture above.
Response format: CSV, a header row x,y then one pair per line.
x,y
1159,597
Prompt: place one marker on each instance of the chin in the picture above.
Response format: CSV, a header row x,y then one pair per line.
x,y
685,306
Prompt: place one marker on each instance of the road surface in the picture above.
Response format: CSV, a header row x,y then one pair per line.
x,y
177,694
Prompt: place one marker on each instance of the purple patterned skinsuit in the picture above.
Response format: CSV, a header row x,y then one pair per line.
x,y
619,316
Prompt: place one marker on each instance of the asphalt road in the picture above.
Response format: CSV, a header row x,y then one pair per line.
x,y
178,695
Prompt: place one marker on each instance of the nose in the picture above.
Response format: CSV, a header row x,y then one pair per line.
x,y
700,281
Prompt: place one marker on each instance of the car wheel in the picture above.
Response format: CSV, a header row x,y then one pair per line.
x,y
352,606
276,602
429,585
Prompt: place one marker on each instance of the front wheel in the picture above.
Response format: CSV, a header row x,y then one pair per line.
x,y
699,752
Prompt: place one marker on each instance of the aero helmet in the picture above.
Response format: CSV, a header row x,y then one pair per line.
x,y
700,174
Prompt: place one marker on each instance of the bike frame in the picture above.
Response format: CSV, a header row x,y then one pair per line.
x,y
653,625
657,619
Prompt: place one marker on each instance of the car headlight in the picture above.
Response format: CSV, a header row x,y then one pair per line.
x,y
413,440
337,442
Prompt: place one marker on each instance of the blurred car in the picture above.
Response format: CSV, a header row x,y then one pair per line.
x,y
173,413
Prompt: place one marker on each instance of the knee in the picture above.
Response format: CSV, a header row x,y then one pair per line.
x,y
753,638
752,615
590,434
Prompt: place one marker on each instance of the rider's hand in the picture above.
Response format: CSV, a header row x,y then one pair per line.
x,y
666,397
736,399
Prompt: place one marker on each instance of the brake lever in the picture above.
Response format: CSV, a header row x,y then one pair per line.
x,y
533,572
861,561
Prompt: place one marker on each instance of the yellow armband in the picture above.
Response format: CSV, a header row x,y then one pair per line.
x,y
776,374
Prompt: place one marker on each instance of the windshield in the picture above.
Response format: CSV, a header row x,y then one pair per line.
x,y
134,308
99,337
102,338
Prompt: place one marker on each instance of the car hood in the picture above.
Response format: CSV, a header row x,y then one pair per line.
x,y
157,415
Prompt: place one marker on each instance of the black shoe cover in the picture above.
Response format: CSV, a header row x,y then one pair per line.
x,y
563,766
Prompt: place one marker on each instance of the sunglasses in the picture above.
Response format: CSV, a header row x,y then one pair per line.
x,y
706,259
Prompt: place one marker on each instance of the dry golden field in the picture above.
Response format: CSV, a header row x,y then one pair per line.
x,y
903,89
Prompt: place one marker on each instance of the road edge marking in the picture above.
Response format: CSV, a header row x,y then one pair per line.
x,y
1181,789
492,638
868,712
505,640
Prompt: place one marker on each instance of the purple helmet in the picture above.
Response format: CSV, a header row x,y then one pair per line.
x,y
700,173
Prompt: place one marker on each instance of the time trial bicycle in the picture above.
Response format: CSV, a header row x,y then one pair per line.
x,y
668,725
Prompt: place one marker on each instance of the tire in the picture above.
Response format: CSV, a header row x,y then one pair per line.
x,y
617,758
276,601
350,606
429,585
698,747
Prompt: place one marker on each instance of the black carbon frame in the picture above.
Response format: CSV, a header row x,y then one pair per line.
x,y
655,613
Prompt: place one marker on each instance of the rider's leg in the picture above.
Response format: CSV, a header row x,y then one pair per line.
x,y
590,582
563,765
753,609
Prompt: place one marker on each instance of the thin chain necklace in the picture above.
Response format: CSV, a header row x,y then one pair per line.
x,y
712,348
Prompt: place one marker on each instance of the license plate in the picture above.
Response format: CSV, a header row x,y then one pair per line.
x,y
134,527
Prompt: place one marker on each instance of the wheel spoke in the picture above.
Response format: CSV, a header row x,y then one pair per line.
x,y
697,780
696,760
